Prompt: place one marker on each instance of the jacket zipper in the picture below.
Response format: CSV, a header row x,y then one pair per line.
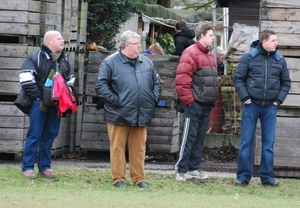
x,y
266,78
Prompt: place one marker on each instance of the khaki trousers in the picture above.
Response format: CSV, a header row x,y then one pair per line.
x,y
135,137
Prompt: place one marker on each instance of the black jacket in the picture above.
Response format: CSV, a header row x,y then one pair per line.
x,y
262,77
129,92
34,72
182,40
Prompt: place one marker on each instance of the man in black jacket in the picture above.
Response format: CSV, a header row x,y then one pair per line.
x,y
129,85
262,82
44,124
183,37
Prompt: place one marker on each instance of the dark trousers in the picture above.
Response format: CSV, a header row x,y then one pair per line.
x,y
195,122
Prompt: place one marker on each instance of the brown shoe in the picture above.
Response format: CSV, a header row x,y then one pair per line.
x,y
48,173
29,174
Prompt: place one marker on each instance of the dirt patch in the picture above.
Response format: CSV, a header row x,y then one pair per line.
x,y
217,159
220,159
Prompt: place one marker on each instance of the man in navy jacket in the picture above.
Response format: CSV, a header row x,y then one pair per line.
x,y
262,82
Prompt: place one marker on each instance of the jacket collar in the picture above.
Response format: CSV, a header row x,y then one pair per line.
x,y
202,48
256,48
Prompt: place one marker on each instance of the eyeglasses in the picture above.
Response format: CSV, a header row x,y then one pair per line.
x,y
137,43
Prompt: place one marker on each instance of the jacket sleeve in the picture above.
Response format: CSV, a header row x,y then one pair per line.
x,y
28,78
240,77
70,79
184,78
156,87
285,83
103,83
179,45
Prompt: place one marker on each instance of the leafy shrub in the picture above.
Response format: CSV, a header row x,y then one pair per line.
x,y
104,19
167,42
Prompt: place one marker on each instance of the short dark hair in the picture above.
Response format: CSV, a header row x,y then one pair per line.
x,y
203,28
180,25
264,35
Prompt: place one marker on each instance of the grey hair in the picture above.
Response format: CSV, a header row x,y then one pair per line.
x,y
127,37
203,29
220,50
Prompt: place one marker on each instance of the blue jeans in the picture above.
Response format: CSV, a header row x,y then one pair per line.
x,y
195,122
250,115
43,129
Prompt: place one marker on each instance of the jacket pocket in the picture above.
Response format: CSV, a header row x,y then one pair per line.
x,y
23,102
47,96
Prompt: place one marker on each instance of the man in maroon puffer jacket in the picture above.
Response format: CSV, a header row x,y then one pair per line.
x,y
197,88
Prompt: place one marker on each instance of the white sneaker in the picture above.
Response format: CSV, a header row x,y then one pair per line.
x,y
180,177
196,174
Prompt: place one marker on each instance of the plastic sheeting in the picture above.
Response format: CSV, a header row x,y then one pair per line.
x,y
241,38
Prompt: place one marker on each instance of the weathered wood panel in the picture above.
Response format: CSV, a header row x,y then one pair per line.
x,y
9,87
19,17
9,75
293,64
281,27
280,3
281,14
63,138
287,143
295,88
19,29
11,63
162,133
13,50
292,100
11,146
11,133
289,51
11,128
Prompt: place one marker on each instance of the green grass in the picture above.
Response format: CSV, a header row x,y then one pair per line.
x,y
93,188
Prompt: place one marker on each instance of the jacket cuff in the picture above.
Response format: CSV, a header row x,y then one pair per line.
x,y
245,99
278,101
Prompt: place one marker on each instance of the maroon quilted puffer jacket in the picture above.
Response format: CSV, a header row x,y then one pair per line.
x,y
196,76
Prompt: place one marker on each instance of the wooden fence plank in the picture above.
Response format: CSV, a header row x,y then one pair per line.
x,y
280,3
11,88
281,28
11,146
19,28
281,14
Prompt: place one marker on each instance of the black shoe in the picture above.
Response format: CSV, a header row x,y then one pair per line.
x,y
143,184
120,184
241,183
271,183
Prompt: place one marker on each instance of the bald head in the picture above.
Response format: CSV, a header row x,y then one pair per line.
x,y
54,41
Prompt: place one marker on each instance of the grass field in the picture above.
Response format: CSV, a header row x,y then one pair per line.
x,y
91,188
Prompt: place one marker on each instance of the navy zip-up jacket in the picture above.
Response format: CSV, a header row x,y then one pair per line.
x,y
262,76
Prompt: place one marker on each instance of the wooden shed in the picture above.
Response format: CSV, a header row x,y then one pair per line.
x,y
22,26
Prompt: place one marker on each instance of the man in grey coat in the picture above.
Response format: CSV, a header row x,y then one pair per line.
x,y
129,85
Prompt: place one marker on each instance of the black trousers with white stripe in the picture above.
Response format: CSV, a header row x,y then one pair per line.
x,y
195,123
